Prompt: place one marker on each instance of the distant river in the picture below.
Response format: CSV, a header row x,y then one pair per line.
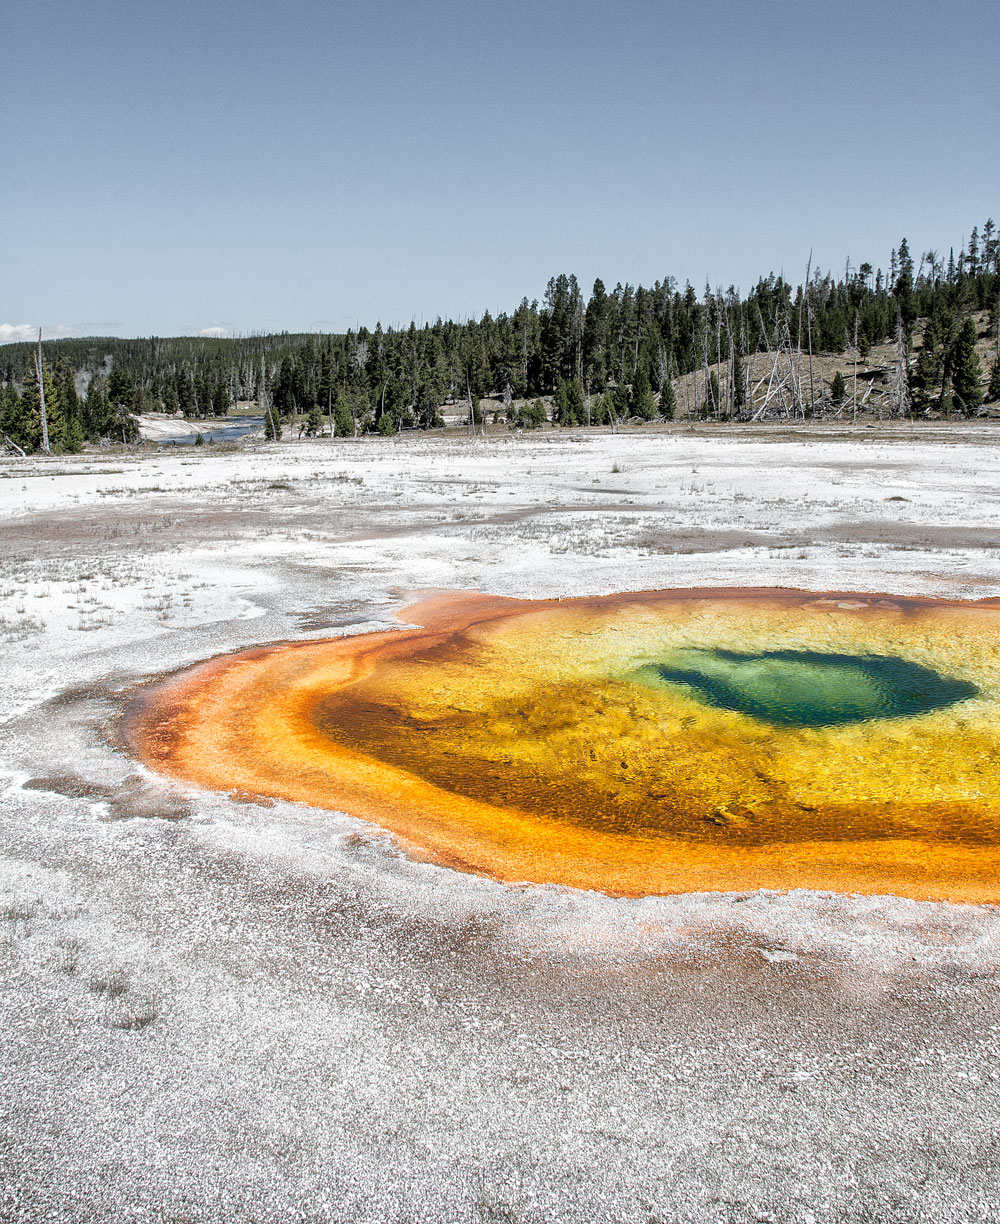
x,y
232,428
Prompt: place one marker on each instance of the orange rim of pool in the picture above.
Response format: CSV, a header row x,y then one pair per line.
x,y
648,743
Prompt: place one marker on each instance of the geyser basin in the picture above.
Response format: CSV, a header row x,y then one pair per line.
x,y
646,743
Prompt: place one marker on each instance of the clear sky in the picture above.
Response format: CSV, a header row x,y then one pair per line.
x,y
183,165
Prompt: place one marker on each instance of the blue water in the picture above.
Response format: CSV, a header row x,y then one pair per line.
x,y
804,688
235,427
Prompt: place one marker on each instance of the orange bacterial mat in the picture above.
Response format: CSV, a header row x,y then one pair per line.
x,y
655,742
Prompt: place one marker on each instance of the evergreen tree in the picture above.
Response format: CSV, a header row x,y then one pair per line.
x,y
20,419
668,401
838,388
903,290
930,362
171,404
343,422
739,383
97,417
313,422
63,438
69,405
28,431
575,411
966,372
121,390
641,399
560,403
203,392
282,393
185,392
220,398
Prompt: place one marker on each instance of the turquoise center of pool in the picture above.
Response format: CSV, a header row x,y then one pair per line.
x,y
804,688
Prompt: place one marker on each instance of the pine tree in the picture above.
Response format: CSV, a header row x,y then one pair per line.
x,y
966,372
574,402
343,421
60,392
739,383
931,360
69,406
185,392
903,290
668,401
97,419
560,403
838,388
121,390
27,432
20,420
314,421
171,404
56,414
220,398
641,401
282,393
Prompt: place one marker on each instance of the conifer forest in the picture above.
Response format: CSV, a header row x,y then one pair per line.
x,y
601,360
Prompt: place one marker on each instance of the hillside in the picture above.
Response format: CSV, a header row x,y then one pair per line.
x,y
919,339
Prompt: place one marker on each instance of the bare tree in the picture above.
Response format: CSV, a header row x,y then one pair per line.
x,y
41,395
812,388
360,354
899,397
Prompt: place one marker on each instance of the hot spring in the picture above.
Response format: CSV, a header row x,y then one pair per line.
x,y
657,742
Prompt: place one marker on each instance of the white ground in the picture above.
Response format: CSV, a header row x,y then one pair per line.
x,y
220,1011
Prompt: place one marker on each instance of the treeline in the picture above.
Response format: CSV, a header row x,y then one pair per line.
x,y
35,414
608,357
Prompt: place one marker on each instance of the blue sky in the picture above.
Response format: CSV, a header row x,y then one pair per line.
x,y
183,166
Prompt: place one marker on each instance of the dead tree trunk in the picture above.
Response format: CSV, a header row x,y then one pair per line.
x,y
900,397
812,388
41,395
